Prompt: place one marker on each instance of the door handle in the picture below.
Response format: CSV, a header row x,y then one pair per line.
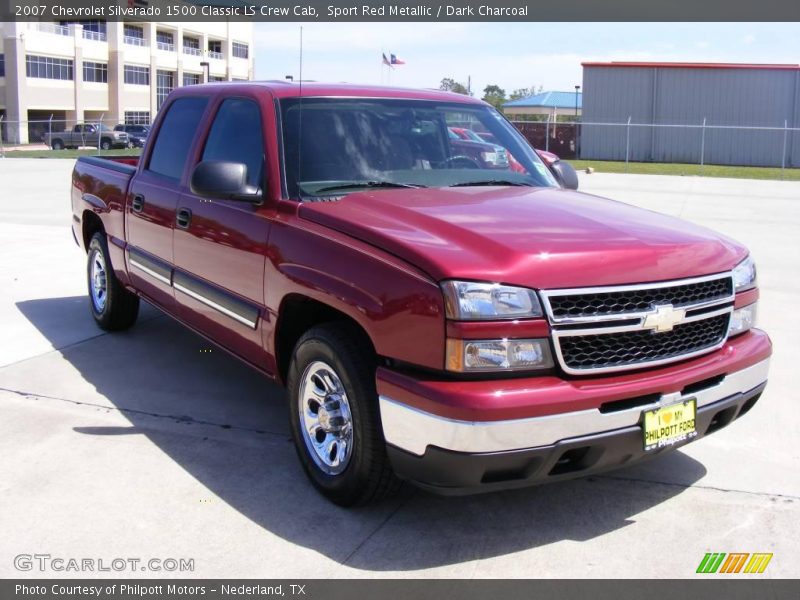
x,y
138,203
183,218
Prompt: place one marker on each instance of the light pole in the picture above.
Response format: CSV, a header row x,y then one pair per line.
x,y
577,89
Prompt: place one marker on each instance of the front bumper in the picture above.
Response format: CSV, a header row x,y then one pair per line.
x,y
506,433
453,473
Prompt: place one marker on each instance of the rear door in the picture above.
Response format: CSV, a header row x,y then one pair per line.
x,y
153,198
220,245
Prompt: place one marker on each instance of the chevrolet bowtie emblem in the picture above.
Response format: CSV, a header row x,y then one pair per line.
x,y
664,318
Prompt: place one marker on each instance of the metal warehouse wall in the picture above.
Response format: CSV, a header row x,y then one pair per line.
x,y
685,96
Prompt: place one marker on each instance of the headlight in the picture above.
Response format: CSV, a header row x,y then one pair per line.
x,y
474,356
743,319
469,301
744,275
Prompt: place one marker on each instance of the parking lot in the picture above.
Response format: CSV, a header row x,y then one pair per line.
x,y
154,444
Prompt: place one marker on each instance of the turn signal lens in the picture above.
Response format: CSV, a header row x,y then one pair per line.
x,y
743,319
466,356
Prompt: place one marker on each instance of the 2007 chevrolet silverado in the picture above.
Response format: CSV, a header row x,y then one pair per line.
x,y
462,327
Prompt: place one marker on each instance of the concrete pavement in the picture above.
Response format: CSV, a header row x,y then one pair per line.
x,y
146,445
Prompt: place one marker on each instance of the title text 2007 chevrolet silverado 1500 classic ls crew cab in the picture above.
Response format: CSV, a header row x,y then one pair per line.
x,y
462,327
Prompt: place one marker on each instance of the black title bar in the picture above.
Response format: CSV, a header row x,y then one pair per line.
x,y
420,10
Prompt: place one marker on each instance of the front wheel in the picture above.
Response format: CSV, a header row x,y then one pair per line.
x,y
113,307
334,416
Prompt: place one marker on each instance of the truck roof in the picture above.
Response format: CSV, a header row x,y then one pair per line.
x,y
289,89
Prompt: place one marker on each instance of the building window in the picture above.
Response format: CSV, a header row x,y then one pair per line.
x,y
217,78
137,117
2,65
44,67
165,41
241,50
134,35
94,30
137,75
165,83
215,49
95,71
191,78
191,45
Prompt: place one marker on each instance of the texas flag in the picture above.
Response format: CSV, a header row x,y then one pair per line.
x,y
392,61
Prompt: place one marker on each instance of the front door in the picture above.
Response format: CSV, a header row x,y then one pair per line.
x,y
220,245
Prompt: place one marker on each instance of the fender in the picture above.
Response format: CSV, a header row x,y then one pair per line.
x,y
400,309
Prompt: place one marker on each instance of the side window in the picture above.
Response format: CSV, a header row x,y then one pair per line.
x,y
175,136
236,136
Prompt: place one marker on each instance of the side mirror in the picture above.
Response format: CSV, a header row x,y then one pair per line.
x,y
222,179
565,174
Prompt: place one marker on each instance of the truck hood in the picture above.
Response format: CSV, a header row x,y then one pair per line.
x,y
536,237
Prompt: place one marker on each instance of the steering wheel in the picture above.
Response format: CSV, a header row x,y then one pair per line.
x,y
461,162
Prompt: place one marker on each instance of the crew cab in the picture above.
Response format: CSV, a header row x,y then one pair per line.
x,y
460,327
87,134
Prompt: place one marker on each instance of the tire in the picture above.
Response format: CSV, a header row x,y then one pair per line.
x,y
105,144
57,144
113,307
335,360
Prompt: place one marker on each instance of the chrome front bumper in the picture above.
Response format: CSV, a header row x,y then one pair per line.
x,y
413,430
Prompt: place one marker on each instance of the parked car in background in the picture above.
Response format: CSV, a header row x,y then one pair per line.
x,y
137,134
482,154
501,155
87,134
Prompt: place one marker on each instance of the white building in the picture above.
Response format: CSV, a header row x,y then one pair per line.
x,y
117,72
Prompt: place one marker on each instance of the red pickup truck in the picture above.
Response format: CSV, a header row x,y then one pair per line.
x,y
460,327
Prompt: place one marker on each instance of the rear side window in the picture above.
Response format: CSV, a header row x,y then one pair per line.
x,y
175,136
236,136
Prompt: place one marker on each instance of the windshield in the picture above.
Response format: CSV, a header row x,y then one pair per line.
x,y
343,144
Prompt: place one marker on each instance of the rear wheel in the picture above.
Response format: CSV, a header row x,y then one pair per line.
x,y
113,307
105,144
334,416
57,144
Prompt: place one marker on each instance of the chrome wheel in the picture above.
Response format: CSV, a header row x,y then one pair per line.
x,y
325,418
98,283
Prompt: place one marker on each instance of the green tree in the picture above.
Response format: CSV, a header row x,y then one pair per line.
x,y
448,84
520,93
494,95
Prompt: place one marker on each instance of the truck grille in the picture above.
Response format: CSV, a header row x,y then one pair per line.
x,y
641,347
619,328
638,300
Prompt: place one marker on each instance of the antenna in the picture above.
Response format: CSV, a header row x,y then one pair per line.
x,y
300,118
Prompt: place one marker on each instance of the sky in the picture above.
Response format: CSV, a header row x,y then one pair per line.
x,y
511,55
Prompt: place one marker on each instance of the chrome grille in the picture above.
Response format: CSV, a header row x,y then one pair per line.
x,y
638,300
601,351
617,328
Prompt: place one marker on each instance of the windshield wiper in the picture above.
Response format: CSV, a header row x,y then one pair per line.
x,y
366,184
491,182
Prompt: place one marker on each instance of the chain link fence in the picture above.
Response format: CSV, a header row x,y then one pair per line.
x,y
41,133
687,143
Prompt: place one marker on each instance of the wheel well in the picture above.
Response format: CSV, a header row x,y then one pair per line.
x,y
91,225
298,314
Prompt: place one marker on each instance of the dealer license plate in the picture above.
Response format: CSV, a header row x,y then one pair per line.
x,y
670,425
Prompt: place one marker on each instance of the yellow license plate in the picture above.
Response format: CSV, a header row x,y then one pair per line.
x,y
670,425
